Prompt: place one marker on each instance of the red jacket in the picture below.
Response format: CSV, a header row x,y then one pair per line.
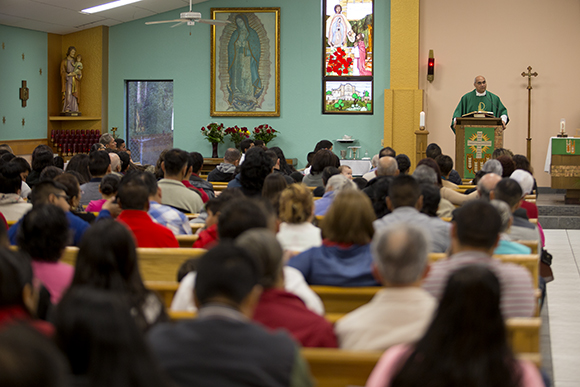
x,y
279,309
16,314
147,233
204,197
207,238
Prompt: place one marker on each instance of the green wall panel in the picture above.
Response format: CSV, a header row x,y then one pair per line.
x,y
14,70
140,52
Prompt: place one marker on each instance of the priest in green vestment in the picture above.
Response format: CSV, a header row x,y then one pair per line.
x,y
478,100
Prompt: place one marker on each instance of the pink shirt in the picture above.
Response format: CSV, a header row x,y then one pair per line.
x,y
391,361
55,276
96,205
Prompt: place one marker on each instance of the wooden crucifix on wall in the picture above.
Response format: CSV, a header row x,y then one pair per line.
x,y
24,93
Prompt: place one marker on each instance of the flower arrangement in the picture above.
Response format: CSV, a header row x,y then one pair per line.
x,y
337,62
237,134
265,133
214,132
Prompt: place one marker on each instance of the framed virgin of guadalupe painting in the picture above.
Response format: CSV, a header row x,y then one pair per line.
x,y
245,62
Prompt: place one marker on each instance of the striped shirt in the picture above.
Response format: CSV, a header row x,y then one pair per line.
x,y
517,290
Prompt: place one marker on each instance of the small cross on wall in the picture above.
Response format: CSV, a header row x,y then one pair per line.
x,y
23,122
24,94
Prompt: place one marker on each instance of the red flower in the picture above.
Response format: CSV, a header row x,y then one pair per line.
x,y
268,131
203,129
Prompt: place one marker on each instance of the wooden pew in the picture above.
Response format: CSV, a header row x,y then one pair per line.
x,y
165,289
219,186
155,264
186,241
333,367
191,215
196,226
531,244
343,300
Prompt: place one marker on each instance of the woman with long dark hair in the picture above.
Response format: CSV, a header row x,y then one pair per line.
x,y
95,331
107,260
465,345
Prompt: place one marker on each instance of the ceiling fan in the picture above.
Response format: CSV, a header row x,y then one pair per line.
x,y
190,18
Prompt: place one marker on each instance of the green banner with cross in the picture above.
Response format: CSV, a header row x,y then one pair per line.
x,y
479,146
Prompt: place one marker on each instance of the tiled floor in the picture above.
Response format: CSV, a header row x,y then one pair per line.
x,y
563,303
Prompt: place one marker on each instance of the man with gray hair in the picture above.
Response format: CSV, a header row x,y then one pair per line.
x,y
387,166
335,183
492,166
226,171
387,169
486,184
401,312
108,141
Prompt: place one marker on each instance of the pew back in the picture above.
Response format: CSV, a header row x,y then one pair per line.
x,y
155,264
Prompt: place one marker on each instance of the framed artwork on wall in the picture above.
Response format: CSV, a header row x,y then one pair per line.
x,y
245,63
347,55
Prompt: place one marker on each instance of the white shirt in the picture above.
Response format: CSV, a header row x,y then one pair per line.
x,y
299,237
293,282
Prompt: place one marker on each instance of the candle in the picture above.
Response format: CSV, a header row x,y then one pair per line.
x,y
422,119
563,125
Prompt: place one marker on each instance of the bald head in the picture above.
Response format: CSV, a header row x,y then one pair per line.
x,y
486,184
387,166
480,84
115,162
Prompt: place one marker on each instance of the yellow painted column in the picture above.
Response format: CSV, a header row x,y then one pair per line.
x,y
404,100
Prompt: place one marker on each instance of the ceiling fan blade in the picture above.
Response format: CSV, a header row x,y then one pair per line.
x,y
163,21
214,22
178,24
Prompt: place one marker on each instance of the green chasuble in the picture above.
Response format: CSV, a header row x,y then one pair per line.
x,y
470,103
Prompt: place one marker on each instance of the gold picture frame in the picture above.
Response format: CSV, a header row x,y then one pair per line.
x,y
245,63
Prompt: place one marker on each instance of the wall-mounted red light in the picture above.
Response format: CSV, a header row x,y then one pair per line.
x,y
431,67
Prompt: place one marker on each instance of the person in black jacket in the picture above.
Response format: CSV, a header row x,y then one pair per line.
x,y
226,171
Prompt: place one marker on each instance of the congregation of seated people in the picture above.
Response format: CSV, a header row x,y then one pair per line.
x,y
269,242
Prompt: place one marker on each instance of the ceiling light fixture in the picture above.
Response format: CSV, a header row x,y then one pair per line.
x,y
107,6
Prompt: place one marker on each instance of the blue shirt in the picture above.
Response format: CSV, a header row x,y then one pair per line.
x,y
510,247
169,217
336,266
77,227
322,204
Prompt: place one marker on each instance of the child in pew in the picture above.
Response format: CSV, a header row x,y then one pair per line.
x,y
19,293
236,217
465,345
108,188
208,236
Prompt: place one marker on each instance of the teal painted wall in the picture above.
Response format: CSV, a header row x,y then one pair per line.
x,y
140,52
14,70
